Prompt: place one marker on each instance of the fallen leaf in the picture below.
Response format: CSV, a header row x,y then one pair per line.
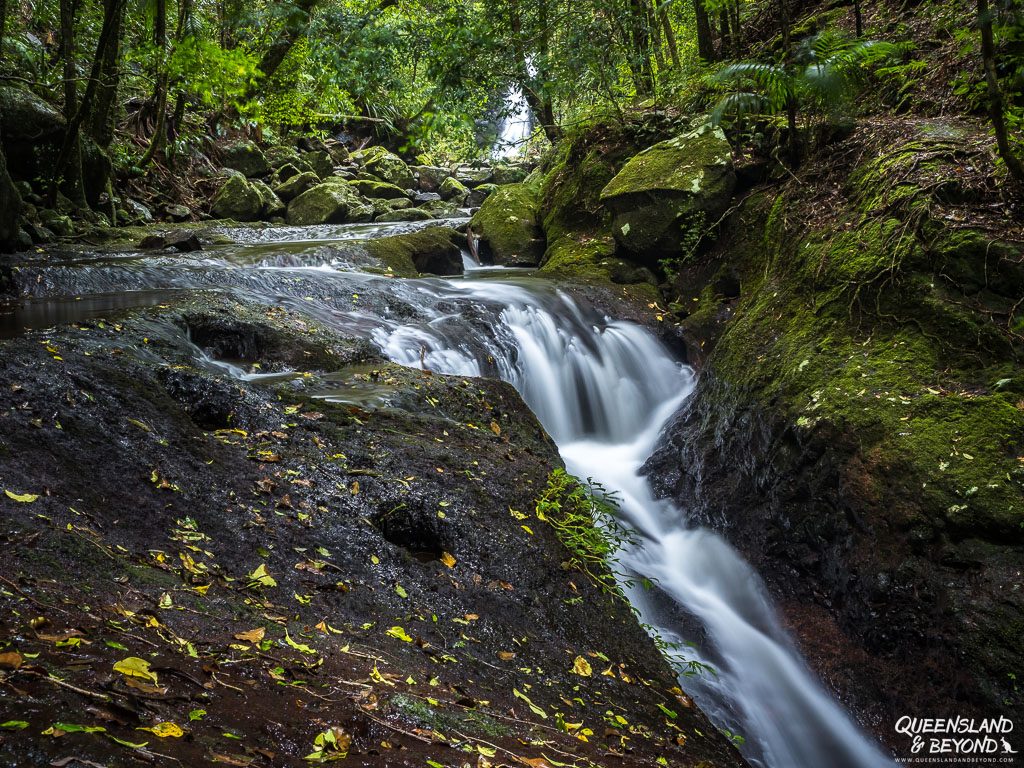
x,y
399,633
495,428
252,636
164,730
582,667
24,497
10,660
447,559
506,655
133,666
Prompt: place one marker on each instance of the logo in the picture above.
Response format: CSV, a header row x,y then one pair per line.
x,y
958,739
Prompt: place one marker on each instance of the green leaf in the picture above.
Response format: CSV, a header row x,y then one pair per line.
x,y
14,725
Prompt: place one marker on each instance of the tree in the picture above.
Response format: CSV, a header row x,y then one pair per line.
x,y
10,200
705,42
995,96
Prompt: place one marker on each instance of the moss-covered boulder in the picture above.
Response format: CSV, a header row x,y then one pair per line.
x,y
432,250
670,191
429,177
246,158
477,196
453,191
296,185
271,205
508,228
407,214
379,189
237,199
390,168
509,174
327,203
278,156
320,161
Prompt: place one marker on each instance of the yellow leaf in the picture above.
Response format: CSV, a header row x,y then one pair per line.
x,y
399,633
495,428
263,577
582,667
163,730
252,636
133,666
447,559
22,496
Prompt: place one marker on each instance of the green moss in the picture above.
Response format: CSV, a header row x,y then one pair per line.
x,y
507,224
567,257
401,253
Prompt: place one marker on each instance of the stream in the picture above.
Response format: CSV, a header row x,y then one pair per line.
x,y
603,389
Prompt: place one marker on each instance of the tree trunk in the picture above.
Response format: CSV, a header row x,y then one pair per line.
x,y
705,41
540,103
858,18
723,23
276,53
71,147
670,36
784,23
104,118
995,97
655,26
70,170
736,35
10,200
160,93
639,53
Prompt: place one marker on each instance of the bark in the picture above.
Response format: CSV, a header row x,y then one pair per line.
x,y
71,146
784,23
69,165
160,93
670,36
995,97
655,26
858,18
104,117
539,102
723,22
10,200
705,41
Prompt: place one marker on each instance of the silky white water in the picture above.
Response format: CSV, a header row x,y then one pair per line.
x,y
603,390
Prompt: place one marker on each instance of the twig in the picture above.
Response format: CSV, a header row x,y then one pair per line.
x,y
17,589
69,686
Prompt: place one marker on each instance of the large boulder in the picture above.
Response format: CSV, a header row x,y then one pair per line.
x,y
320,161
278,156
379,189
327,203
246,158
454,191
238,199
509,174
474,177
271,205
670,190
430,177
389,168
431,250
507,224
296,185
32,132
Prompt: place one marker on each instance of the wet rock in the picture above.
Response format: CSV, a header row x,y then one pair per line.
x,y
477,196
37,233
439,209
246,158
432,250
409,214
430,177
183,241
425,197
328,203
296,185
278,156
399,204
454,191
283,174
382,190
178,212
31,130
270,204
508,228
60,225
680,185
135,212
237,199
474,177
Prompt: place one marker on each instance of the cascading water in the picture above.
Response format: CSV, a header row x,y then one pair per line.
x,y
602,389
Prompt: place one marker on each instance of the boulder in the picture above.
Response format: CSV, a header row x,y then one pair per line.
x,y
179,240
271,204
431,250
477,196
429,178
508,227
454,191
363,156
296,185
246,158
379,189
328,203
178,212
57,223
474,177
425,197
281,156
284,173
439,209
237,199
669,190
389,168
399,204
320,161
509,174
338,151
134,212
409,214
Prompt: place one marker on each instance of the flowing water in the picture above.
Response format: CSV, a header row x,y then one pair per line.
x,y
603,389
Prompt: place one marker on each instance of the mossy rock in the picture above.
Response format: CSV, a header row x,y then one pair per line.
x,y
508,228
271,205
279,156
671,188
327,203
430,177
430,250
509,174
321,163
453,191
296,185
390,168
409,214
246,158
237,199
379,189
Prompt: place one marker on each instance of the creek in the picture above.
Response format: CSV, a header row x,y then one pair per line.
x,y
602,389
